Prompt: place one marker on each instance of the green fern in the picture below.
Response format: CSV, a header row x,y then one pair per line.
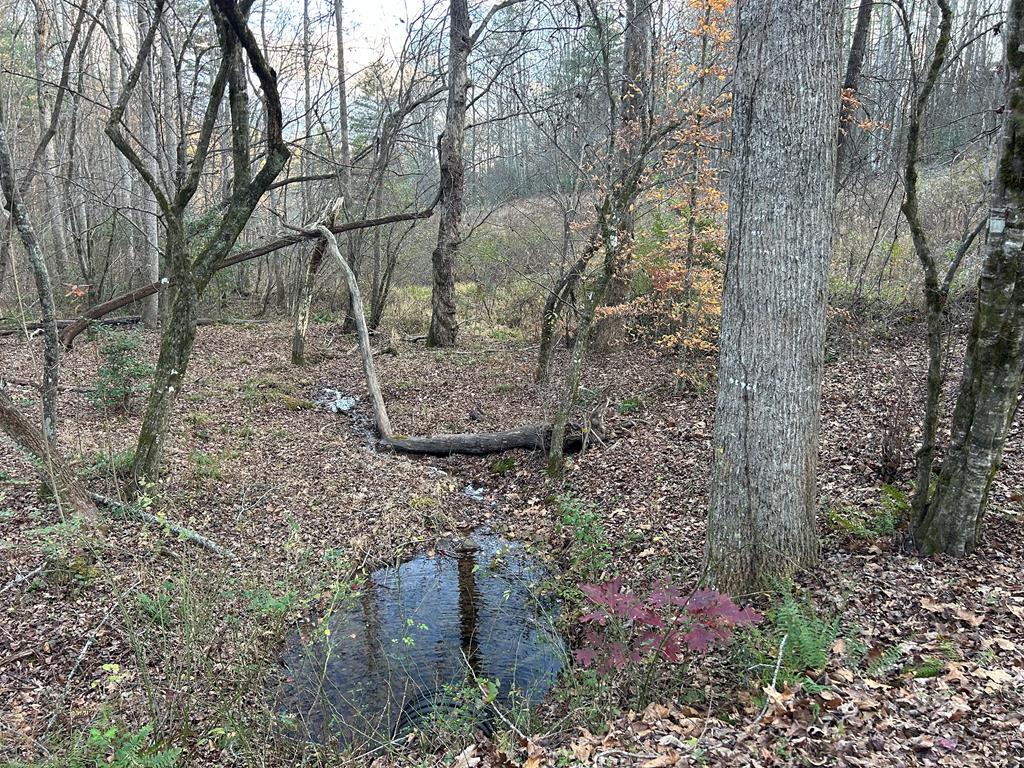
x,y
808,636
111,748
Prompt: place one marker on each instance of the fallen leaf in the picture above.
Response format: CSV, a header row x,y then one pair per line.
x,y
466,758
661,761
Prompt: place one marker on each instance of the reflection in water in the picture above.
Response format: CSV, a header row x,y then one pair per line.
x,y
416,634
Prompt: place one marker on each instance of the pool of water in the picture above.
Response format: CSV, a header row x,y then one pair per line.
x,y
418,640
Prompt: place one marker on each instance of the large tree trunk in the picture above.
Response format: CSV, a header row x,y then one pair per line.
x,y
785,109
443,325
952,519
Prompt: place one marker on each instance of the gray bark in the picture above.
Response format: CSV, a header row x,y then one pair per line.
x,y
443,327
780,231
44,287
531,437
149,252
951,522
380,411
56,231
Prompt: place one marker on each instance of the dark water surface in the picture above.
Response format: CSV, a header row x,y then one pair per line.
x,y
405,648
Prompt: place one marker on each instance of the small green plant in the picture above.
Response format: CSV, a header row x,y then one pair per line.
x,y
885,661
122,373
629,406
502,466
864,523
930,667
112,747
591,550
456,710
266,603
895,501
206,465
109,746
109,464
158,607
801,634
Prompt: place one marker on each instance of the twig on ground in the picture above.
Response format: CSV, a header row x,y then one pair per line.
x,y
179,530
600,756
775,678
78,662
18,579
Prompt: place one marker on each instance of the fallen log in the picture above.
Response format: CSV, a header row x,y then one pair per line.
x,y
532,437
13,330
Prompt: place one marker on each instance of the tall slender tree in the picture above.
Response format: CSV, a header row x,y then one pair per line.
x,y
780,227
951,520
443,325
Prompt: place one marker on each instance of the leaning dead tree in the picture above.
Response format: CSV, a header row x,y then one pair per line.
x,y
51,468
73,330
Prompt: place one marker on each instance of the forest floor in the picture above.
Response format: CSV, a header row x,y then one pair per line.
x,y
923,662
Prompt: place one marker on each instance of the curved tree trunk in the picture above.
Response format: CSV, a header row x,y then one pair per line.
x,y
44,287
761,523
952,519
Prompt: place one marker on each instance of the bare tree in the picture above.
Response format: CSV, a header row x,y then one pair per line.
x,y
193,260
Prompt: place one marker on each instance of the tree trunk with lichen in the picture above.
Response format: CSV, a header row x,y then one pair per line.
x,y
761,523
443,326
935,292
951,521
176,342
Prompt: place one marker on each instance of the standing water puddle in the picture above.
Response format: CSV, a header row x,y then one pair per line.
x,y
417,642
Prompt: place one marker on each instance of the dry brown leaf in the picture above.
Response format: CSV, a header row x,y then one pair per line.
x,y
467,758
582,752
974,619
534,756
662,761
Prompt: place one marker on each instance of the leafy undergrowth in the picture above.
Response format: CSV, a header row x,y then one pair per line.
x,y
876,658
